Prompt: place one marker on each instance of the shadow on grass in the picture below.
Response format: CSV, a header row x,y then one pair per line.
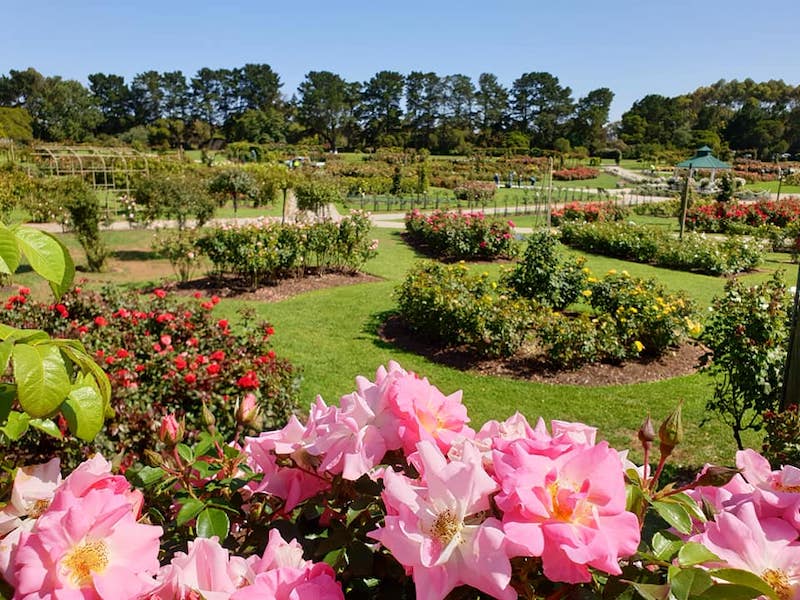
x,y
134,255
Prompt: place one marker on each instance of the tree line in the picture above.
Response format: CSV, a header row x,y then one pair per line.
x,y
443,113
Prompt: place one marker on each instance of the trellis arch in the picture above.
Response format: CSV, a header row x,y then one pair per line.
x,y
106,168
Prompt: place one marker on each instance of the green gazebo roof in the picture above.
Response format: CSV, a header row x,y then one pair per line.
x,y
703,159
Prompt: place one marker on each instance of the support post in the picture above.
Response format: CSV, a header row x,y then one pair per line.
x,y
685,202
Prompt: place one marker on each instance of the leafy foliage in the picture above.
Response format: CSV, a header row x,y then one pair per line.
x,y
747,333
451,235
264,252
544,275
654,246
163,356
448,304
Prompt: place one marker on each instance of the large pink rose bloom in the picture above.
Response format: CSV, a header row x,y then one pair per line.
x,y
315,582
438,530
206,570
776,493
31,495
294,478
92,547
767,547
568,508
422,411
347,440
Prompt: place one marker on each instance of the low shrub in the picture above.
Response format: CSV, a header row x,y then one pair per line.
x,y
575,174
454,307
457,235
782,436
589,212
739,217
647,318
655,246
544,275
266,251
475,192
662,208
166,355
747,332
180,248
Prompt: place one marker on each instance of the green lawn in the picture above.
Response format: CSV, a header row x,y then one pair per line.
x,y
331,335
772,187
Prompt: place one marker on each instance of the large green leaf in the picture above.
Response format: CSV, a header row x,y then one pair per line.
x,y
9,251
84,412
213,521
190,509
693,553
665,545
8,393
61,287
76,353
41,377
47,426
45,254
674,514
16,425
745,578
689,582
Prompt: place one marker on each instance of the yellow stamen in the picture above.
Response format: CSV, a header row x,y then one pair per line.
x,y
38,508
85,559
778,581
446,527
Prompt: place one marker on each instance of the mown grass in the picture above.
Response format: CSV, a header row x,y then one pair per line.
x,y
331,335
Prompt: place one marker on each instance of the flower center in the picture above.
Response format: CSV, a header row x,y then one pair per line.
x,y
446,527
562,508
89,557
779,582
38,508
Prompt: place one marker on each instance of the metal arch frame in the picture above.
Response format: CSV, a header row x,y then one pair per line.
x,y
62,160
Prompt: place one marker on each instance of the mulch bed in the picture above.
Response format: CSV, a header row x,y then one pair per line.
x,y
281,290
684,360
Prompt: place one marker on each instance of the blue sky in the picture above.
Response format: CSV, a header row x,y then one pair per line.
x,y
634,48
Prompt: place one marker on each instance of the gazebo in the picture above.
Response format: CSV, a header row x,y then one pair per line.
x,y
704,159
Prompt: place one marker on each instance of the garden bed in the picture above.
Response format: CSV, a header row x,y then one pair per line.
x,y
232,287
683,360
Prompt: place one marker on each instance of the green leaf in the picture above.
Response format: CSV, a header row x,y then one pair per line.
x,y
147,476
84,412
745,578
665,545
725,591
47,426
690,505
649,591
190,509
6,346
59,288
9,251
689,582
8,393
45,254
185,453
42,379
16,425
693,553
674,514
213,521
78,355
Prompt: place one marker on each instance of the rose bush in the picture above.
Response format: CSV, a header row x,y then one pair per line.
x,y
390,492
163,355
457,235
